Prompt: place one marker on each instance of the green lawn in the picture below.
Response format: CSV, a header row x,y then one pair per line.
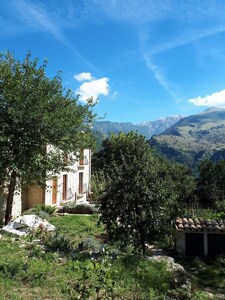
x,y
58,272
78,227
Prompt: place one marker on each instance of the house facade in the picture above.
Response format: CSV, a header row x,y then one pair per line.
x,y
73,185
66,186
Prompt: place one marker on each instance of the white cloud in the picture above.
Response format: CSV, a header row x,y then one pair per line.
x,y
216,99
94,89
114,95
85,76
39,18
160,76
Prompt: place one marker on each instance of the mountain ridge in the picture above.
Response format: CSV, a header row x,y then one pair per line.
x,y
147,129
194,138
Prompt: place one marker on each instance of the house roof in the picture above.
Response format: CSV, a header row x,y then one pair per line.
x,y
199,224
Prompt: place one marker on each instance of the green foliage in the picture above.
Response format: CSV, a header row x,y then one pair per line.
x,y
46,208
142,271
41,210
78,227
36,111
57,242
141,192
98,184
210,214
81,208
200,295
179,294
206,274
220,207
94,281
29,271
211,184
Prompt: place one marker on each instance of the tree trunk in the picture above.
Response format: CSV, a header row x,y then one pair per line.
x,y
9,203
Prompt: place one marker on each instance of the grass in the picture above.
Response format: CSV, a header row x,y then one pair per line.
x,y
79,227
207,274
27,271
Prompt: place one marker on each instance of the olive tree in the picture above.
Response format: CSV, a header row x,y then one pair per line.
x,y
36,111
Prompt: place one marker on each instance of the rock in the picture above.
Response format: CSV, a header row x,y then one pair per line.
x,y
179,278
210,295
23,224
89,248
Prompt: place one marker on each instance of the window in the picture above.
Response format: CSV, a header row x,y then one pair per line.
x,y
81,183
64,191
54,189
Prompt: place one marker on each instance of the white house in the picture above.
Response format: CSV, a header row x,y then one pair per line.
x,y
71,185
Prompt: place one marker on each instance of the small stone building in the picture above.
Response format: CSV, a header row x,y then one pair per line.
x,y
200,237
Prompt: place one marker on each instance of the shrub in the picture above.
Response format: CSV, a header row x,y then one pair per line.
x,y
57,242
34,211
46,208
41,210
220,207
73,208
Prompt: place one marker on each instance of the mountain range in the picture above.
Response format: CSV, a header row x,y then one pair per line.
x,y
194,138
187,140
148,129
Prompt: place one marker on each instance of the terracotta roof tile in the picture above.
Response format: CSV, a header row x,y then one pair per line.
x,y
184,224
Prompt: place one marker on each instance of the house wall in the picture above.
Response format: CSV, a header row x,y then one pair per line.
x,y
32,196
17,204
36,195
72,182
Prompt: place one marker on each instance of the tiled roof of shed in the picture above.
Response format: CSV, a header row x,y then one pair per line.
x,y
198,224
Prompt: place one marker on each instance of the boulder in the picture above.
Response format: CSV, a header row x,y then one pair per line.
x,y
179,278
23,224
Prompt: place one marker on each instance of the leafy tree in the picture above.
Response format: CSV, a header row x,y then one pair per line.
x,y
36,111
139,201
211,182
183,181
220,179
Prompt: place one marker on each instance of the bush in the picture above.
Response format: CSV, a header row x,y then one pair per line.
x,y
52,241
46,208
73,208
41,210
40,213
220,207
57,242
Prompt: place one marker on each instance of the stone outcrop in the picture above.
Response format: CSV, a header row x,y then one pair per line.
x,y
179,278
23,224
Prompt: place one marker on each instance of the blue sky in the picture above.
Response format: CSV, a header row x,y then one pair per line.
x,y
141,59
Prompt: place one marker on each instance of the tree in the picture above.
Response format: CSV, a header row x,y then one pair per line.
x,y
184,183
138,202
211,182
220,179
36,111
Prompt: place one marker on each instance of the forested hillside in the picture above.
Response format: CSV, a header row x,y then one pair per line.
x,y
194,138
